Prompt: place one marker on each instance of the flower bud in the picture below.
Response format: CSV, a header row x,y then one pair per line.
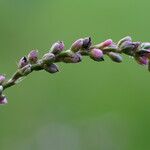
x,y
127,38
129,47
77,45
57,47
104,44
96,54
142,60
86,43
2,79
33,56
48,58
22,62
115,57
25,70
3,100
52,68
73,58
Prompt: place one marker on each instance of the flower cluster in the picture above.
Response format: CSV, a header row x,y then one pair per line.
x,y
140,51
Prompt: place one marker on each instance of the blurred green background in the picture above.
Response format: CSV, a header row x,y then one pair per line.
x,y
87,106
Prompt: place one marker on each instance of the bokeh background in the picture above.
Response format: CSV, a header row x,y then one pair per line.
x,y
98,106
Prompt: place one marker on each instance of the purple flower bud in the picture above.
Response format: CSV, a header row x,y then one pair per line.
x,y
3,100
142,60
77,45
48,58
57,47
129,47
115,57
73,58
86,43
52,68
2,79
96,54
23,62
33,56
127,38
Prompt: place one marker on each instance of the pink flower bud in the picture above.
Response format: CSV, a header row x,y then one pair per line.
x,y
115,57
57,47
52,68
33,56
96,54
2,79
77,45
107,43
22,62
104,44
3,100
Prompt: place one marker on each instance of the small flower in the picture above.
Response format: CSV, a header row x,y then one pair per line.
x,y
3,100
96,54
115,57
57,47
33,56
48,58
2,79
22,62
77,45
52,68
86,43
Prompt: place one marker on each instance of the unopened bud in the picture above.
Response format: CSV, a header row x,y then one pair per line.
x,y
22,62
104,44
141,60
57,47
25,70
129,47
73,58
33,56
2,79
3,100
77,45
52,68
115,57
96,54
48,58
127,38
87,43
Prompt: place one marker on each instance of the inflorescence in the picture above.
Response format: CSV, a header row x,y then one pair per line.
x,y
140,51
